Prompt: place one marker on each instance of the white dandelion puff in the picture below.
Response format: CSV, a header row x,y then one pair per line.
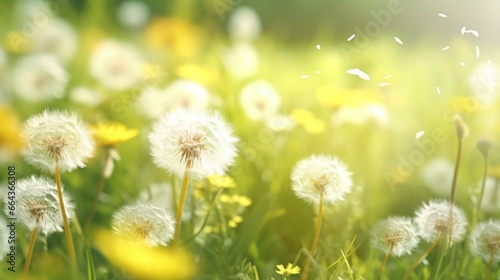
x,y
259,100
39,78
241,60
116,65
57,136
244,24
433,220
133,14
395,234
358,72
321,176
491,196
85,96
58,38
485,240
38,205
148,223
204,141
186,95
437,175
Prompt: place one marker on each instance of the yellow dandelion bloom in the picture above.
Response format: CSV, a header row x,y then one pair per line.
x,y
198,73
9,130
112,133
221,181
145,262
288,270
307,119
178,35
494,171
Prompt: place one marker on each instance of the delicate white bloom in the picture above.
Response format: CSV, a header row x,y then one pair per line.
x,y
433,219
116,65
241,60
396,233
321,175
259,100
484,83
150,224
60,136
366,114
244,24
152,102
39,78
85,96
485,240
183,138
133,14
38,205
491,196
186,95
58,38
438,174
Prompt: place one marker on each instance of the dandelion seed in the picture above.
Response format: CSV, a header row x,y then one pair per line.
x,y
145,223
57,136
388,76
445,48
320,175
433,219
462,30
305,76
398,40
384,84
318,72
38,206
438,90
351,37
477,52
442,15
359,73
473,32
462,63
318,47
397,234
419,134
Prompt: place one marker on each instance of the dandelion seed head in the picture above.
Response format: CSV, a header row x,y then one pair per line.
x,y
485,240
204,141
321,175
143,222
491,196
433,219
38,205
259,100
437,175
398,233
60,136
244,25
58,37
133,14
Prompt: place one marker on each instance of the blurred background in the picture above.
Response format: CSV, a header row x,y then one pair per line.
x,y
376,83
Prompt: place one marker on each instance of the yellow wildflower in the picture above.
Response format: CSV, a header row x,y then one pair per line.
x,y
10,129
307,119
288,270
112,133
494,171
198,73
221,181
178,35
145,262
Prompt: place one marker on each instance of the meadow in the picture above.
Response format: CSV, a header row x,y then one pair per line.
x,y
143,140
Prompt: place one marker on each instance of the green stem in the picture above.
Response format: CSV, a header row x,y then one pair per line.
x,y
67,231
453,189
100,188
426,253
483,184
307,266
387,256
200,230
30,253
182,199
490,264
441,258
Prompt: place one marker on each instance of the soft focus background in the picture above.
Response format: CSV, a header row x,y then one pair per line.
x,y
372,82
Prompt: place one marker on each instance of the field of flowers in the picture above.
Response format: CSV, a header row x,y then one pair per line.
x,y
203,140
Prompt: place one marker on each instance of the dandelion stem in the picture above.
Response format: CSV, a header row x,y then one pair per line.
x,y
387,256
453,188
307,266
490,264
182,199
67,232
483,184
30,253
206,218
100,188
424,255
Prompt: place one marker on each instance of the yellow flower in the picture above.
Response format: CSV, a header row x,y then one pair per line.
x,y
112,133
9,130
221,181
289,270
307,119
198,73
178,35
494,171
145,262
